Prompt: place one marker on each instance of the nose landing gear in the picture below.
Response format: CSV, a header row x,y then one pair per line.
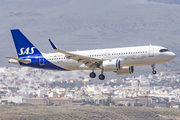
x,y
153,67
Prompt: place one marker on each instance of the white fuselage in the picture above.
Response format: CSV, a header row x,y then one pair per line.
x,y
118,60
129,56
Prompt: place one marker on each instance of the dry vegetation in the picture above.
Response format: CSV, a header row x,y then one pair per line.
x,y
29,112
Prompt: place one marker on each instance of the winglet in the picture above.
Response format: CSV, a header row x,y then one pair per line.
x,y
53,45
56,48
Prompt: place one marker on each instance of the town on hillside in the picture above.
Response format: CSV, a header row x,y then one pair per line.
x,y
23,85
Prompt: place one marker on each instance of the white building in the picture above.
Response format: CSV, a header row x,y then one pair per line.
x,y
15,99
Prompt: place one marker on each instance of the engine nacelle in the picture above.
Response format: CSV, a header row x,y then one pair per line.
x,y
125,70
115,66
111,65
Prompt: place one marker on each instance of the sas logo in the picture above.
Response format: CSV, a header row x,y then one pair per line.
x,y
26,51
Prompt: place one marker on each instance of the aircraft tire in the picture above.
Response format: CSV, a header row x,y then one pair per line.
x,y
92,75
101,77
154,72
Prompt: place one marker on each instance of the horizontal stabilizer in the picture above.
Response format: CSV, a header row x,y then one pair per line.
x,y
21,60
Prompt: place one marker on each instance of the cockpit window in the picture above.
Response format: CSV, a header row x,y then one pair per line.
x,y
163,50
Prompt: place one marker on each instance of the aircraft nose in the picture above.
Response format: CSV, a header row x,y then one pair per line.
x,y
173,55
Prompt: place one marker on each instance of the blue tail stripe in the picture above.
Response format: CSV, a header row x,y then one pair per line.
x,y
48,65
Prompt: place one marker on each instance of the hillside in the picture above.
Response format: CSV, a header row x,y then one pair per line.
x,y
94,24
17,112
167,1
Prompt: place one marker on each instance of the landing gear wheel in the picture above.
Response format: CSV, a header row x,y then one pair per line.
x,y
101,77
154,72
92,75
153,67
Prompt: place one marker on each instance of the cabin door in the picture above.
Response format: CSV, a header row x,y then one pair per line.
x,y
41,60
151,51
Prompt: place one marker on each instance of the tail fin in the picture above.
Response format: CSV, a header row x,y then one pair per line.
x,y
23,46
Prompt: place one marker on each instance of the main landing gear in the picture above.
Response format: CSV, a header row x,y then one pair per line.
x,y
153,67
93,75
101,77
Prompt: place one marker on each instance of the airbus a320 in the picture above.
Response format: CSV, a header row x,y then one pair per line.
x,y
119,60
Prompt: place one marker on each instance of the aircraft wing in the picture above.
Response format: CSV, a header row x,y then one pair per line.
x,y
88,61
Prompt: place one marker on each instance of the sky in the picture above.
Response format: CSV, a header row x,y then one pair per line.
x,y
95,24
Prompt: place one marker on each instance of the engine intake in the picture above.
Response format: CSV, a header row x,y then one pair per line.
x,y
113,65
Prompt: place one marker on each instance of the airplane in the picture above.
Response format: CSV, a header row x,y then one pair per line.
x,y
119,60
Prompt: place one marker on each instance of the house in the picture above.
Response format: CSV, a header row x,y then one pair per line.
x,y
156,102
36,101
173,104
15,99
60,101
145,100
124,101
78,102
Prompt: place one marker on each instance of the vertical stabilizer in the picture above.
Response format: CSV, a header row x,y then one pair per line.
x,y
23,46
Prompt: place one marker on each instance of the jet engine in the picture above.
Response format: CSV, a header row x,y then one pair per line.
x,y
125,70
115,66
111,65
